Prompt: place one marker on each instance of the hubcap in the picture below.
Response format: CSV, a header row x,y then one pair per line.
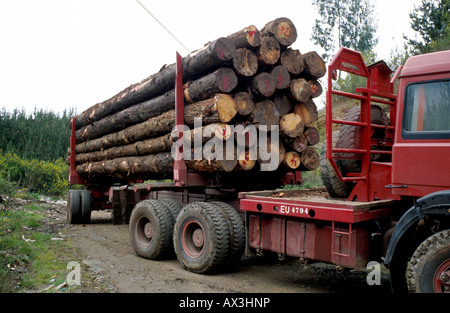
x,y
442,278
193,238
144,232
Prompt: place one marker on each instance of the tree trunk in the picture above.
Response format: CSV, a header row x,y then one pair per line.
x,y
281,77
263,85
212,165
269,51
244,102
315,67
282,29
223,80
291,125
301,90
316,88
312,135
249,37
196,64
245,62
298,144
293,61
308,112
220,109
265,113
282,103
310,159
292,160
154,166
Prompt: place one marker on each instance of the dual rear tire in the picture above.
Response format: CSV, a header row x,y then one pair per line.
x,y
205,237
79,207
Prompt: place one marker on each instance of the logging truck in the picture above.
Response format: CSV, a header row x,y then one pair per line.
x,y
385,167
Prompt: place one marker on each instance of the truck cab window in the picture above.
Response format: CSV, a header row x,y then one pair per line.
x,y
427,110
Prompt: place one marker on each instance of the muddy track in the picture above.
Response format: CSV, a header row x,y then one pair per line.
x,y
107,254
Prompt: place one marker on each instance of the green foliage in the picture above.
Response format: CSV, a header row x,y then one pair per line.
x,y
41,135
350,23
32,176
431,20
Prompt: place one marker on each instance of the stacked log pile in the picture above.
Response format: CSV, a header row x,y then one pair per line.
x,y
251,77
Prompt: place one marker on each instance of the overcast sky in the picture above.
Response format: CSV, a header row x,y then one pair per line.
x,y
61,54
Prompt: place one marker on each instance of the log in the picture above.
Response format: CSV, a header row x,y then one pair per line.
x,y
282,29
281,77
314,65
245,137
154,166
149,146
249,37
245,62
310,159
263,85
316,87
293,61
212,165
308,112
265,113
292,160
312,135
301,90
224,80
244,102
272,149
245,161
292,125
196,64
298,144
219,109
269,51
282,103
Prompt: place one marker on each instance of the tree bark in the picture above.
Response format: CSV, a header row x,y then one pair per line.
x,y
281,77
265,113
154,166
308,112
301,90
269,51
282,29
310,159
293,61
244,102
220,109
196,64
315,67
249,37
292,125
245,62
212,165
223,80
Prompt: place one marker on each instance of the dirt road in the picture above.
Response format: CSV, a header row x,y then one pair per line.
x,y
107,254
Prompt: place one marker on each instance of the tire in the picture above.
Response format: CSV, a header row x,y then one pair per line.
x,y
74,207
85,206
173,206
201,238
151,229
236,230
349,137
331,182
429,261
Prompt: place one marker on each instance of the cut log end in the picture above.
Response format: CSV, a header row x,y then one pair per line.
x,y
293,61
226,107
282,29
314,65
292,160
245,62
245,161
301,90
269,51
310,159
292,125
244,102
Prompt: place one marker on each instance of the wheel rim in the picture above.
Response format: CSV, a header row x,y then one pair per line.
x,y
193,238
144,232
442,278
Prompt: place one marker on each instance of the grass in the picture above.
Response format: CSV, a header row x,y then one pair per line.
x,y
29,258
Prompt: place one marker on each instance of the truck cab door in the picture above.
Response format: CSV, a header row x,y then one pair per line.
x,y
421,153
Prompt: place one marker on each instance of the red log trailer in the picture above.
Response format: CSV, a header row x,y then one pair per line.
x,y
386,171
